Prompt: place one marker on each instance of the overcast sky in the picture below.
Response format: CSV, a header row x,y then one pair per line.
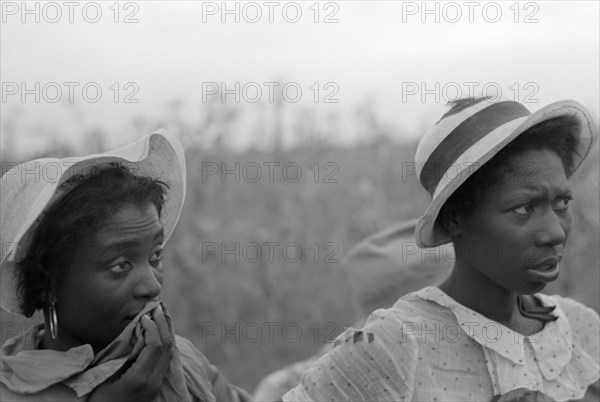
x,y
385,52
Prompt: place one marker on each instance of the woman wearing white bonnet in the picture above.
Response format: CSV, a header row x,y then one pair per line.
x,y
86,237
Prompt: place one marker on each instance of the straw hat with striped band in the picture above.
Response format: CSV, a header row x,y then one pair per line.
x,y
30,188
470,135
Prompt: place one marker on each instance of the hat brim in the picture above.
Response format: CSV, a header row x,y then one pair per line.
x,y
428,232
157,155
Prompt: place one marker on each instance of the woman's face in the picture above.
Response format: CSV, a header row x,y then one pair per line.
x,y
110,277
516,234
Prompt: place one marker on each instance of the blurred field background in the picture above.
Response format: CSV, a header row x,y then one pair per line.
x,y
208,293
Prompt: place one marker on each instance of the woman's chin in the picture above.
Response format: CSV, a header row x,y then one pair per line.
x,y
532,288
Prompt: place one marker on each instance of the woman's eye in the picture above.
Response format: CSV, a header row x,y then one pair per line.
x,y
121,267
524,210
562,204
157,255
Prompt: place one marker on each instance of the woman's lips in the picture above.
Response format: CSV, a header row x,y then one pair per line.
x,y
546,270
131,317
148,307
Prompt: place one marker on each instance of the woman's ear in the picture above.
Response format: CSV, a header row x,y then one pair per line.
x,y
46,297
450,220
49,295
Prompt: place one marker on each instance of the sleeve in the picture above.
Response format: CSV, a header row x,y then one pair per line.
x,y
585,327
273,386
377,362
204,381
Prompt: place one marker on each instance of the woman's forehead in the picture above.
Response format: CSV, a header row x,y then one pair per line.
x,y
534,162
535,171
130,223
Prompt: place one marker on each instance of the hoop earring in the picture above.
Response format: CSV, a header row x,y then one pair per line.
x,y
53,320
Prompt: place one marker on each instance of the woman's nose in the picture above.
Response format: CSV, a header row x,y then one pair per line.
x,y
149,283
553,229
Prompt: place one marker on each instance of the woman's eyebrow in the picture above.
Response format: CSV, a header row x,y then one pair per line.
x,y
128,243
543,191
113,249
512,199
535,192
160,233
567,191
536,188
528,192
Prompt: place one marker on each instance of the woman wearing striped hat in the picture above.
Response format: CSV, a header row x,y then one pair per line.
x,y
499,180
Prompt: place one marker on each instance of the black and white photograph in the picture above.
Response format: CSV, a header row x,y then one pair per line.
x,y
300,201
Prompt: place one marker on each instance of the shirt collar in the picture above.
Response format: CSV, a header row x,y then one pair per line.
x,y
25,369
554,347
551,346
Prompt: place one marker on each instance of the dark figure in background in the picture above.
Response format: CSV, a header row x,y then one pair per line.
x,y
379,268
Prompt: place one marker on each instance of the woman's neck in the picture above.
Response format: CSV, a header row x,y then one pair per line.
x,y
476,291
63,340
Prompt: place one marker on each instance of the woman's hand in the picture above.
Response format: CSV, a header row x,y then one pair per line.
x,y
146,366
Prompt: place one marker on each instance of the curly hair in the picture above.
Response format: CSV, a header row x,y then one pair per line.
x,y
76,216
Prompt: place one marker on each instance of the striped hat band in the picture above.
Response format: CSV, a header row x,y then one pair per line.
x,y
480,122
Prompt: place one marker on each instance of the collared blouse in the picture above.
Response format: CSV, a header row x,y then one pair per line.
x,y
428,347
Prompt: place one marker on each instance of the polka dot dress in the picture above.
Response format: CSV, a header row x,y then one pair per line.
x,y
429,347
